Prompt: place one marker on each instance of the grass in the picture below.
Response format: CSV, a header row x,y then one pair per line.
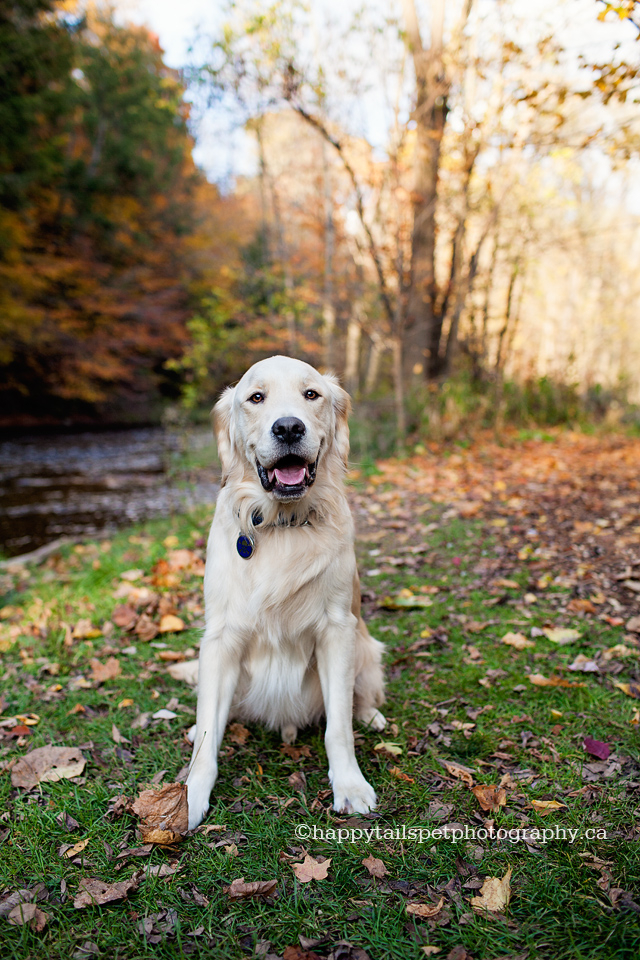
x,y
562,906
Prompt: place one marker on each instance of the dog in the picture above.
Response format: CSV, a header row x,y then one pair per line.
x,y
284,642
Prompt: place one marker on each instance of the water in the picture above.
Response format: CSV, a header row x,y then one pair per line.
x,y
88,483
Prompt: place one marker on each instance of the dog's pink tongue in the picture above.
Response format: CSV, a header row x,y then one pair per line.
x,y
290,476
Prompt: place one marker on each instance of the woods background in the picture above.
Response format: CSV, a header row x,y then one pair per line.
x,y
441,202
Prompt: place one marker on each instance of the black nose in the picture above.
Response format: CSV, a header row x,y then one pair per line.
x,y
289,429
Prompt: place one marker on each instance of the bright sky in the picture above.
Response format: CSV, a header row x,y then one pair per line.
x,y
221,152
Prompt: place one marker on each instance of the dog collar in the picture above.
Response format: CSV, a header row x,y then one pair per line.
x,y
246,545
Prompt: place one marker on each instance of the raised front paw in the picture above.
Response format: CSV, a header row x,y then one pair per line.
x,y
198,792
353,795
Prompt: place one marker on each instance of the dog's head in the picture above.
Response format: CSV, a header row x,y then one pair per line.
x,y
284,421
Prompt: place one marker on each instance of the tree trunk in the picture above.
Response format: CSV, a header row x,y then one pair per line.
x,y
373,367
423,323
398,389
328,308
353,349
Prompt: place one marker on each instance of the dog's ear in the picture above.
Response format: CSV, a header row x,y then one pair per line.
x,y
224,430
342,409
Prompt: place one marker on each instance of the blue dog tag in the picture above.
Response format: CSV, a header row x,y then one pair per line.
x,y
245,546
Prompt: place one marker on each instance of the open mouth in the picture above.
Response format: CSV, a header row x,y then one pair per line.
x,y
288,477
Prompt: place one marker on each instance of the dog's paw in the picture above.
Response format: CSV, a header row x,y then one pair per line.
x,y
191,734
354,795
372,718
289,733
198,792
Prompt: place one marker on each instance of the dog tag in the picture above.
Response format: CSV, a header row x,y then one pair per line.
x,y
245,545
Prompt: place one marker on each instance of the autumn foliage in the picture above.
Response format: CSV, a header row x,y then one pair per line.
x,y
99,229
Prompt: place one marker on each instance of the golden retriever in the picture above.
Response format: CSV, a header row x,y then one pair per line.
x,y
284,642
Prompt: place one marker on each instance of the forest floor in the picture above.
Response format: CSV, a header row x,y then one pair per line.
x,y
504,581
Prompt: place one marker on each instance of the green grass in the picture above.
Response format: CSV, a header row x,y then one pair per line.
x,y
557,910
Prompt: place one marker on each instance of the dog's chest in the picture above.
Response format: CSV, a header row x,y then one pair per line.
x,y
279,681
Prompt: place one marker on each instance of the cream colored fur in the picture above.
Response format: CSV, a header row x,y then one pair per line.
x,y
284,643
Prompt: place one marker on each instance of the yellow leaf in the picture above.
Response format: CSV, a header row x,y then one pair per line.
x,y
561,635
75,849
171,624
631,689
495,894
517,640
543,807
389,747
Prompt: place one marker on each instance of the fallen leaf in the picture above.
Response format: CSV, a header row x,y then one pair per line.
x,y
124,617
47,765
163,814
171,624
239,890
93,892
562,635
296,753
84,630
73,851
633,625
495,894
310,869
401,775
490,798
620,650
596,748
375,867
430,951
146,629
28,913
388,747
164,714
539,680
425,909
583,664
238,734
543,807
403,602
108,670
131,575
632,689
459,772
517,640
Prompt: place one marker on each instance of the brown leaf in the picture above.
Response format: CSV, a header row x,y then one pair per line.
x,y
425,909
28,913
459,772
171,624
490,798
633,625
93,892
124,616
239,890
163,814
375,867
146,629
47,765
495,894
238,734
105,671
295,752
539,680
310,869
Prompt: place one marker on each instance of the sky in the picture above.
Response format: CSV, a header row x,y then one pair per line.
x,y
223,152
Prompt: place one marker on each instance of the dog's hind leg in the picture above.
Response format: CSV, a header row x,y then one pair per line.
x,y
368,693
288,733
219,672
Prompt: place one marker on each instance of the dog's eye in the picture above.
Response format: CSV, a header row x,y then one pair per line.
x,y
311,394
256,398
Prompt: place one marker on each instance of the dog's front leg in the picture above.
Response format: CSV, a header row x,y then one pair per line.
x,y
335,659
217,680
